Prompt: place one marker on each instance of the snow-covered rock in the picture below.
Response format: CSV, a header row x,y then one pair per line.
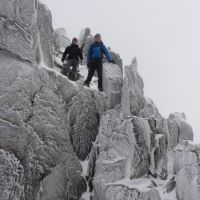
x,y
84,118
83,36
116,58
88,42
132,92
48,123
185,131
19,28
44,22
34,128
11,177
61,41
173,136
138,189
112,83
186,171
120,151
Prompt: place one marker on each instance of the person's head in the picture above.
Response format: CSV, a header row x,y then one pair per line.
x,y
97,38
75,41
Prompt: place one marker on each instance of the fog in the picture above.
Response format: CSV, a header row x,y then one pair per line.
x,y
163,35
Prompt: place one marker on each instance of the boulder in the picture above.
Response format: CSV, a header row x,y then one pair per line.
x,y
139,189
112,83
185,131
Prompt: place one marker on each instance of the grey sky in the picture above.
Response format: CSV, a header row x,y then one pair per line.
x,y
164,35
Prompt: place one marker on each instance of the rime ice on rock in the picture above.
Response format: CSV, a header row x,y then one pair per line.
x,y
112,83
48,123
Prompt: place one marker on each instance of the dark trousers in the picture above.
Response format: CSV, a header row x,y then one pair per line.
x,y
71,73
93,66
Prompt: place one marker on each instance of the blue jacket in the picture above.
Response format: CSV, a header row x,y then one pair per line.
x,y
96,51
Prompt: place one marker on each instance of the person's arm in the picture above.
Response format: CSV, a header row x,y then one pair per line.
x,y
65,54
80,54
106,52
89,54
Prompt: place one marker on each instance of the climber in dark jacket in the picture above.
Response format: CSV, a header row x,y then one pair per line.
x,y
72,55
95,56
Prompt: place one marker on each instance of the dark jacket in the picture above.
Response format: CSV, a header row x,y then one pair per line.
x,y
73,52
96,51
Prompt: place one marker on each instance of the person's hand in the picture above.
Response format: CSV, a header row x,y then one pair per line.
x,y
81,62
64,62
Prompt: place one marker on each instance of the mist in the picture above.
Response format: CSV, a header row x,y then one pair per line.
x,y
163,35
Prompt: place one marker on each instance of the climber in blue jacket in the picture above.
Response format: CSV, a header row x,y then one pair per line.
x,y
95,57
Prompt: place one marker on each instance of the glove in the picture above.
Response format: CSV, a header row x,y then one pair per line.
x,y
64,62
112,61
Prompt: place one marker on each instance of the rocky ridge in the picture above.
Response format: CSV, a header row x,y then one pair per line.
x,y
60,140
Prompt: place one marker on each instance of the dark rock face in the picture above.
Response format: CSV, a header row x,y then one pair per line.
x,y
84,116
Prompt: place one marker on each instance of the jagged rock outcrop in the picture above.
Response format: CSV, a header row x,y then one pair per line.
x,y
88,41
49,125
19,28
116,58
122,150
61,41
44,22
132,92
83,36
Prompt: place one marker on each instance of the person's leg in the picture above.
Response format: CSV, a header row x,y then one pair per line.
x,y
66,67
100,75
75,64
91,71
